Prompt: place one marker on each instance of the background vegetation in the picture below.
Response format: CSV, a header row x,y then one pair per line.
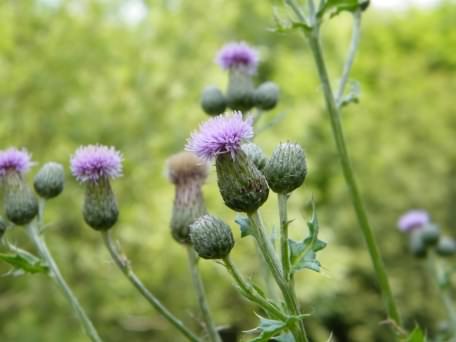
x,y
79,71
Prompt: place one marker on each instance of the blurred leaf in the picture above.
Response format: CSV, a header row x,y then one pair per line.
x,y
417,335
244,225
25,261
353,94
287,337
283,26
334,7
267,329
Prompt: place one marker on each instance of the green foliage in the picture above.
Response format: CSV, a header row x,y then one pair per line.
x,y
24,262
417,335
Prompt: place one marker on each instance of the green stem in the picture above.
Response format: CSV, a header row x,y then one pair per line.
x,y
250,292
201,296
126,269
34,232
439,276
274,265
282,200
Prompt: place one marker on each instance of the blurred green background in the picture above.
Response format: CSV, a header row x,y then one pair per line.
x,y
78,71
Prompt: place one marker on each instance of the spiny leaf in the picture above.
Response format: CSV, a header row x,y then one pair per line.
x,y
334,7
24,261
244,225
417,335
287,337
267,329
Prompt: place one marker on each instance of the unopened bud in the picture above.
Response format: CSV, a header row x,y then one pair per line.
x,y
49,181
100,207
211,237
242,186
255,154
286,170
446,246
417,246
266,95
21,205
213,101
430,234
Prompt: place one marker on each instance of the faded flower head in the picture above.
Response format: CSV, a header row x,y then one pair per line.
x,y
186,165
413,219
238,55
93,162
13,159
220,135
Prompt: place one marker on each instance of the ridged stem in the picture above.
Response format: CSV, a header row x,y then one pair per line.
x,y
34,230
282,201
274,264
201,295
123,264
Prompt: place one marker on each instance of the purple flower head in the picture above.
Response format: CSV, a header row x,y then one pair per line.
x,y
413,219
13,159
221,134
238,55
93,162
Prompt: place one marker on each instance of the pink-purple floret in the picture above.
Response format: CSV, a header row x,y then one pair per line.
x,y
219,135
16,160
93,162
238,55
413,219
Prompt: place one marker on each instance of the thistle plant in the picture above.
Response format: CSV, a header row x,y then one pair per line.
x,y
22,208
95,166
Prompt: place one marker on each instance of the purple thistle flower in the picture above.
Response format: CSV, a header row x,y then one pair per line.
x,y
238,55
413,219
219,135
13,159
93,162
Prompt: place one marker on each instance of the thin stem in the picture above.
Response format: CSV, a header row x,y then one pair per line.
x,y
282,200
438,274
34,233
250,292
201,295
333,111
274,265
122,262
356,36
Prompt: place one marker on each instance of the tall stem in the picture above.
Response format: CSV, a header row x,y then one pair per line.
x,y
438,274
126,269
201,296
274,264
282,199
34,232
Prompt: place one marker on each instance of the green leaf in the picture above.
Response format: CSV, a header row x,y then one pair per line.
x,y
334,7
244,225
287,337
268,328
303,254
25,261
417,335
283,26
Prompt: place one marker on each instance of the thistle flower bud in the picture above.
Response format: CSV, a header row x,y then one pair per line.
x,y
211,237
266,95
430,234
188,173
213,101
49,181
240,92
286,170
446,246
255,154
417,246
95,165
20,203
242,186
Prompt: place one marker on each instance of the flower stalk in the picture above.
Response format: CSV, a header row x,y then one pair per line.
x,y
283,214
34,230
313,37
123,264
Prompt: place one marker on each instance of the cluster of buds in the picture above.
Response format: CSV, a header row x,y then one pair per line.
x,y
241,62
20,203
425,235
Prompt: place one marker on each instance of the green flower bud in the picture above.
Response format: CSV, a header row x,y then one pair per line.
x,y
49,181
266,95
430,234
3,226
240,93
417,246
255,154
213,101
242,186
286,169
21,205
211,237
446,246
100,207
188,173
